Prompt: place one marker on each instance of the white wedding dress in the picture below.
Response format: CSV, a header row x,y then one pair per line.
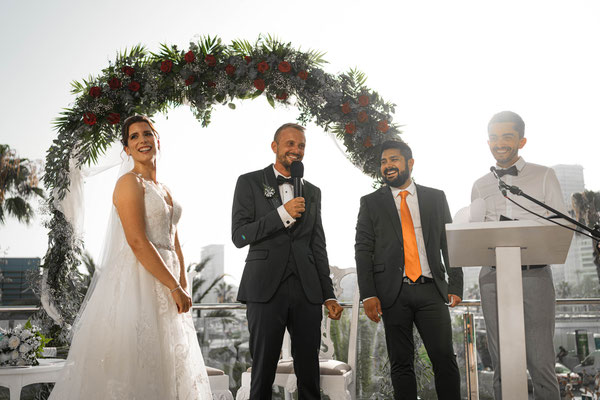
x,y
129,341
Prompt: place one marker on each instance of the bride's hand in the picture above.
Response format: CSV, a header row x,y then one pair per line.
x,y
182,299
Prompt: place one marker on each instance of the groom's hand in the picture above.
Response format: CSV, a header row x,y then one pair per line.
x,y
295,207
334,308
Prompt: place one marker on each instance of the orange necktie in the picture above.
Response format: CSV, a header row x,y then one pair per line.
x,y
412,264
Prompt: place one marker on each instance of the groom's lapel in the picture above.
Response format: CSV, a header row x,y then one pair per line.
x,y
269,181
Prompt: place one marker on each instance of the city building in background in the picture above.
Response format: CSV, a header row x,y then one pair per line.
x,y
15,275
214,268
579,267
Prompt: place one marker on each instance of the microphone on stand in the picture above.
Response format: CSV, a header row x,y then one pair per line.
x,y
501,184
297,171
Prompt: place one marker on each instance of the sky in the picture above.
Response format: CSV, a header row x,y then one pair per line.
x,y
448,67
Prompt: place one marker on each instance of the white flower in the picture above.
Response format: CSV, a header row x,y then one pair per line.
x,y
26,334
14,342
14,355
4,357
24,348
4,343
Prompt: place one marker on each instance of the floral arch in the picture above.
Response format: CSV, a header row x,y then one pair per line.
x,y
204,75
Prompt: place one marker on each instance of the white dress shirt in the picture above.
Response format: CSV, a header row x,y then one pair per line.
x,y
413,205
286,193
535,180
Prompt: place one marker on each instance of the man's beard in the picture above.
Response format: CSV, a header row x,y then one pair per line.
x,y
401,177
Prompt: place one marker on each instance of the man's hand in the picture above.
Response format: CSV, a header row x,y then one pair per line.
x,y
295,207
372,308
453,300
334,308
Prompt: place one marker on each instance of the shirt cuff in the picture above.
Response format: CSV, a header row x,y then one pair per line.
x,y
286,218
333,298
372,297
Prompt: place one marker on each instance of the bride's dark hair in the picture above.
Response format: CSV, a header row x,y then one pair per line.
x,y
132,120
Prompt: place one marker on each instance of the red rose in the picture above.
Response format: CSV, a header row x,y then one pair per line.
x,y
89,118
363,100
346,108
383,126
210,60
262,66
134,86
211,84
259,84
166,66
350,128
114,118
230,69
363,117
189,57
95,91
248,59
367,142
114,83
281,96
191,79
284,67
303,75
128,71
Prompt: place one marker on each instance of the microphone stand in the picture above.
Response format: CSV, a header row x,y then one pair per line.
x,y
503,186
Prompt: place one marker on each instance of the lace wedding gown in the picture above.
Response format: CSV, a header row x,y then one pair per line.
x,y
130,343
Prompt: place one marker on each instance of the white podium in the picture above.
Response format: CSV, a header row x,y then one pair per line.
x,y
508,245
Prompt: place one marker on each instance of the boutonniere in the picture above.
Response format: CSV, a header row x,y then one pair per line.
x,y
268,191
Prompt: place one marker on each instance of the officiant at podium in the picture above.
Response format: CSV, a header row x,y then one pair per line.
x,y
286,278
506,136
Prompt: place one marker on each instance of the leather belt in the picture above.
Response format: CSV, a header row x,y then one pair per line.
x,y
420,280
527,267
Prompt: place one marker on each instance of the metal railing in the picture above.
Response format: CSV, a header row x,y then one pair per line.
x,y
468,328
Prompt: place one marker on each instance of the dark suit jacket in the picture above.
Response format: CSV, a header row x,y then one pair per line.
x,y
256,222
379,248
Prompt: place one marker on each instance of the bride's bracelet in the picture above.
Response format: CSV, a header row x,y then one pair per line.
x,y
175,288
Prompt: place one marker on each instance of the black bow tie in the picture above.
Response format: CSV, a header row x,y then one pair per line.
x,y
509,171
282,179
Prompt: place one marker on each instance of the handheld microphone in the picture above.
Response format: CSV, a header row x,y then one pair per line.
x,y
297,172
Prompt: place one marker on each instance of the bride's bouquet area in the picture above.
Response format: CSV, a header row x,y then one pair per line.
x,y
21,346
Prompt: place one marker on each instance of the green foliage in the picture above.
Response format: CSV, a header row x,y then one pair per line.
x,y
18,185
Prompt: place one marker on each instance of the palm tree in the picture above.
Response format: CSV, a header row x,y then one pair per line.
x,y
18,183
587,211
224,293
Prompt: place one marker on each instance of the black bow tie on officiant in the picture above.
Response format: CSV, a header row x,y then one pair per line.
x,y
509,171
282,179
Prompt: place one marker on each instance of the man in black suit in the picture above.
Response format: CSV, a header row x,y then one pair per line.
x,y
286,278
400,234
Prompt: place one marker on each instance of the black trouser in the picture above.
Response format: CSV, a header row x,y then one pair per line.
x,y
267,322
422,306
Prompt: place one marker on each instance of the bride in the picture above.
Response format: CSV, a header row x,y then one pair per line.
x,y
134,337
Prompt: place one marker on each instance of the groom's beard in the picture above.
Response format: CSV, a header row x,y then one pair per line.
x,y
400,179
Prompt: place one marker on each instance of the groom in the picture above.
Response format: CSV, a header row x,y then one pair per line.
x,y
286,277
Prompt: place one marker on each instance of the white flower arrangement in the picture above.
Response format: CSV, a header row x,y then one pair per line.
x,y
21,346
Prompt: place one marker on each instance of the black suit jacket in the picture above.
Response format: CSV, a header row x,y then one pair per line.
x,y
256,222
379,250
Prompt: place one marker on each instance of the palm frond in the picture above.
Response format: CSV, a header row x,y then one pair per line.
x,y
316,58
210,45
242,47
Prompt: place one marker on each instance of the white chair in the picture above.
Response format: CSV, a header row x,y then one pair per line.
x,y
338,379
219,384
